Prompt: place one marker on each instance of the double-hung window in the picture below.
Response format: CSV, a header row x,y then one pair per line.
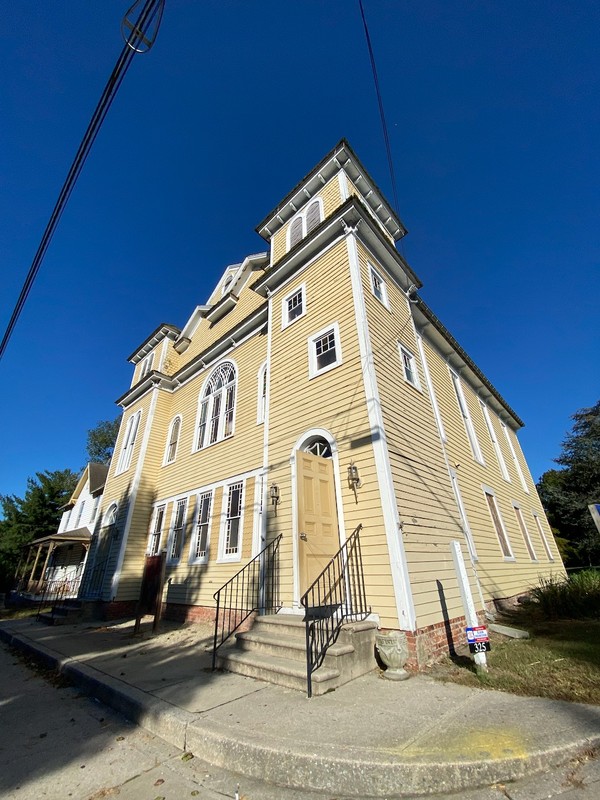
x,y
131,430
200,542
261,409
514,458
146,365
543,538
324,350
173,440
409,365
524,532
217,407
494,440
501,533
293,306
466,415
378,286
178,530
156,531
232,533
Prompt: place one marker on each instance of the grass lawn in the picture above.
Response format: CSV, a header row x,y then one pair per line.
x,y
561,661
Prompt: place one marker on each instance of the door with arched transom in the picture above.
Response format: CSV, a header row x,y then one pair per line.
x,y
318,534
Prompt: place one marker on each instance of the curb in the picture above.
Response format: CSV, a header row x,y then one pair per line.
x,y
352,771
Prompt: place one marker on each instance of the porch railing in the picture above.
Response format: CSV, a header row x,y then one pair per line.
x,y
57,590
255,588
335,597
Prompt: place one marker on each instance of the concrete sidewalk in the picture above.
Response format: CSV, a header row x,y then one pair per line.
x,y
370,738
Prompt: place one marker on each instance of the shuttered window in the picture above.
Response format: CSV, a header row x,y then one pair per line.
x,y
313,215
296,231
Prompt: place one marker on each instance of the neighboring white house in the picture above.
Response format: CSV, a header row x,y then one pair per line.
x,y
61,557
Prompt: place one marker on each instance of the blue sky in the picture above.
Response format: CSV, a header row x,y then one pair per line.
x,y
493,112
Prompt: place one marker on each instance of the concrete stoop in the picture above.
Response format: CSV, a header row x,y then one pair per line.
x,y
274,650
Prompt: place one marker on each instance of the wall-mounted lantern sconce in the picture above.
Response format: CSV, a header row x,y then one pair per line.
x,y
354,481
274,495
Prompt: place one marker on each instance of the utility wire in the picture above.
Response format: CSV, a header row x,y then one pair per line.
x,y
386,138
137,35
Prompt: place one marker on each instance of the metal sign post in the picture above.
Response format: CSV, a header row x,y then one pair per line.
x,y
468,605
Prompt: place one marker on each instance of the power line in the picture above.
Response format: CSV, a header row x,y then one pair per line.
x,y
140,37
386,138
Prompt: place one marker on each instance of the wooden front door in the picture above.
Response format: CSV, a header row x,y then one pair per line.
x,y
318,538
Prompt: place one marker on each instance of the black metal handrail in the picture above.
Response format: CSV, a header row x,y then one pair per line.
x,y
255,588
335,597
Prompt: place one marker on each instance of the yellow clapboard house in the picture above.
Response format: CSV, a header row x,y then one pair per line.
x,y
313,395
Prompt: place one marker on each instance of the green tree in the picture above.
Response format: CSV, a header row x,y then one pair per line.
x,y
567,492
31,517
101,440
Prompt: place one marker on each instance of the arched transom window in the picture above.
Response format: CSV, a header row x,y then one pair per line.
x,y
318,447
217,406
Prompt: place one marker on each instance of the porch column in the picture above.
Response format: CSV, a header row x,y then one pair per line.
x,y
35,563
51,547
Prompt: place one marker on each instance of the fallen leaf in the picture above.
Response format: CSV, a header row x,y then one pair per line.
x,y
159,782
187,756
120,738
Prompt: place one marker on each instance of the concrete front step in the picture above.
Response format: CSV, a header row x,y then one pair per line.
x,y
274,650
277,669
294,647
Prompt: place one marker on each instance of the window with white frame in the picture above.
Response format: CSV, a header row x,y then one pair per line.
x,y
466,415
80,513
262,394
217,407
131,430
513,455
501,533
233,517
409,365
430,388
173,440
378,286
293,306
95,508
146,365
304,222
543,538
177,531
201,539
156,528
524,532
494,440
324,350
463,515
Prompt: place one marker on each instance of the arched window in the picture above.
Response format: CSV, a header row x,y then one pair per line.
x,y
304,222
262,394
173,440
217,406
131,429
296,231
313,215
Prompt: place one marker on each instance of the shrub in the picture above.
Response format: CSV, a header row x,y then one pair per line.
x,y
574,597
